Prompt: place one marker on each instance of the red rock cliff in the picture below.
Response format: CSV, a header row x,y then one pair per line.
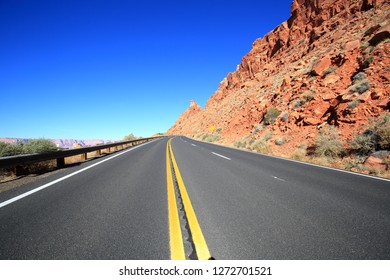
x,y
328,64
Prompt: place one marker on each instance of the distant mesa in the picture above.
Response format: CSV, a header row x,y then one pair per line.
x,y
62,143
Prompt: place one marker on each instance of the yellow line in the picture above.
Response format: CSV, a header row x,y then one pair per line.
x,y
175,235
201,248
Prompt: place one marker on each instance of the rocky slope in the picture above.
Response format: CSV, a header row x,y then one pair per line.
x,y
327,65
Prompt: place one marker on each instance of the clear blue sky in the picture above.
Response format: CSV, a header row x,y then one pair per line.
x,y
104,69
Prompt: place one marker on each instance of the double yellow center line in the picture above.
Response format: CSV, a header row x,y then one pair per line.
x,y
175,233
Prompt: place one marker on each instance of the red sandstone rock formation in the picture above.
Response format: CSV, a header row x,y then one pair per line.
x,y
328,64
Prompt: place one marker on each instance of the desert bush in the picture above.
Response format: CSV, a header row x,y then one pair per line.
x,y
361,86
298,103
239,144
199,136
363,144
368,61
39,146
330,70
380,129
261,146
308,95
299,154
271,115
10,149
327,143
267,136
353,104
258,128
3,146
359,77
376,136
211,137
354,163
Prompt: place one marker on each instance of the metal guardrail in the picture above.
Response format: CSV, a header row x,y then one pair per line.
x,y
20,160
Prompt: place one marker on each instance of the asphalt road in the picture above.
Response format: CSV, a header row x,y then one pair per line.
x,y
249,206
114,210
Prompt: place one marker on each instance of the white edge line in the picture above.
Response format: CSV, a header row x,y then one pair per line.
x,y
194,145
221,156
16,198
301,162
277,178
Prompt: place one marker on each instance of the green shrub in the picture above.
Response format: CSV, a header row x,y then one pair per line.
x,y
239,144
367,62
299,154
271,115
267,136
261,146
353,104
359,77
298,103
10,149
211,137
363,144
330,70
39,146
258,128
308,95
361,86
327,143
380,129
375,137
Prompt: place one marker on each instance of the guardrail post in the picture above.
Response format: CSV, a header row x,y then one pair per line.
x,y
98,152
15,171
84,156
60,162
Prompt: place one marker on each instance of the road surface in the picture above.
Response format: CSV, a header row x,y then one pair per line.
x,y
227,204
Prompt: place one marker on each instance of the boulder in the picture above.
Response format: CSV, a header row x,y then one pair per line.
x,y
384,103
321,65
352,45
382,34
311,121
375,163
